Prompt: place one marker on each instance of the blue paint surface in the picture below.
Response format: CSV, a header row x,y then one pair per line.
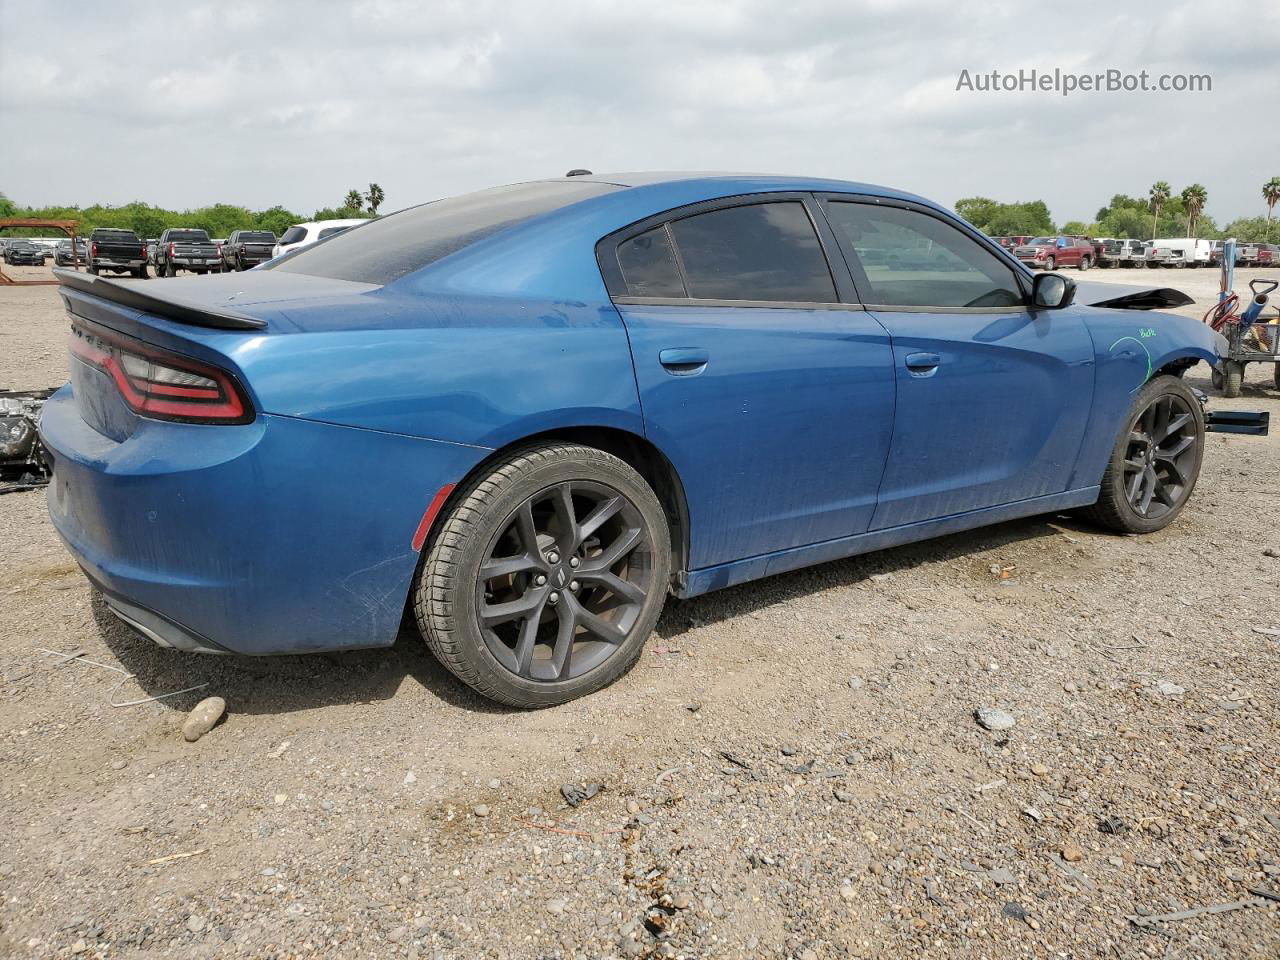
x,y
797,435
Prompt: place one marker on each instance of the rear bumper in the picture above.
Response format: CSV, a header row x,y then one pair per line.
x,y
278,536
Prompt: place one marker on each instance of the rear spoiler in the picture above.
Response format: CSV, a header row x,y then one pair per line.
x,y
142,297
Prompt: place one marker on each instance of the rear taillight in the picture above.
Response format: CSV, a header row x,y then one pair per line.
x,y
171,249
94,249
158,384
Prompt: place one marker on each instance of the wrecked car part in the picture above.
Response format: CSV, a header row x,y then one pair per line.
x,y
24,463
1118,297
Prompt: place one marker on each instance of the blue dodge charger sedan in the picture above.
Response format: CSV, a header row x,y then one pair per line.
x,y
529,413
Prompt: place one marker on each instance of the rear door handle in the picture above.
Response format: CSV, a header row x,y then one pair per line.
x,y
683,361
923,364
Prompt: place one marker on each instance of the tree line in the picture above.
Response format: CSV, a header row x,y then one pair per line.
x,y
220,219
1162,213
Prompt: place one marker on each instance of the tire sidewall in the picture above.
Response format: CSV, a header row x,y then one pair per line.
x,y
473,548
1160,386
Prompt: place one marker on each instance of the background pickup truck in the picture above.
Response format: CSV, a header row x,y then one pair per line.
x,y
245,249
1053,252
185,248
1120,253
120,251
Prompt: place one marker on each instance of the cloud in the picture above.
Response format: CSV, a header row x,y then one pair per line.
x,y
295,103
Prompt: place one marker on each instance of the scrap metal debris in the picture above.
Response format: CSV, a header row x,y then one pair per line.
x,y
1260,899
23,461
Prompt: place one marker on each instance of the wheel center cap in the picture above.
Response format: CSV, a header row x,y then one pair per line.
x,y
559,577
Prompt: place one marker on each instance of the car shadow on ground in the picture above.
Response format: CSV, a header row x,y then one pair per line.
x,y
274,685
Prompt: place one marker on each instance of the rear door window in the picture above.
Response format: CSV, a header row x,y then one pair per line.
x,y
293,235
912,259
758,251
648,264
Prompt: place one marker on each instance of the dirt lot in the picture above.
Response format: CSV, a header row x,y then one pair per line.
x,y
793,770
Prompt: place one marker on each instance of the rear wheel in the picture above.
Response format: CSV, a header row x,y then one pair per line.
x,y
546,577
1050,263
1155,462
1085,263
169,269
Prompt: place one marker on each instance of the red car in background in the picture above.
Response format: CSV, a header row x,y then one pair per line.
x,y
1049,253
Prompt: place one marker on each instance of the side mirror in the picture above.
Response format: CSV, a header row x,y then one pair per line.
x,y
1052,291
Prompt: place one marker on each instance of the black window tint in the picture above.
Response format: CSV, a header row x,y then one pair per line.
x,y
294,234
648,265
387,249
330,231
761,251
188,236
914,260
256,236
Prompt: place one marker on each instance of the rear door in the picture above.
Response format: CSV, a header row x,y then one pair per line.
x,y
992,397
767,386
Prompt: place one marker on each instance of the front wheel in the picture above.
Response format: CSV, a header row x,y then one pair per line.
x,y
1155,462
546,577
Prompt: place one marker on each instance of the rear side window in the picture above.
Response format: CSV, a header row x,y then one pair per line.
x,y
294,234
911,259
759,251
330,231
387,249
649,267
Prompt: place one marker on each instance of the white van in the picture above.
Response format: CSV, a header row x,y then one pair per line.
x,y
304,234
1180,252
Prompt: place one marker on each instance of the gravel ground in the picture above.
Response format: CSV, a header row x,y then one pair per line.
x,y
793,770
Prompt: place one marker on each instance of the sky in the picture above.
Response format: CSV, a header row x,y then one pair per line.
x,y
187,104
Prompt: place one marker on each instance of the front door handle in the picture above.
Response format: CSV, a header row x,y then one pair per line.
x,y
683,361
923,364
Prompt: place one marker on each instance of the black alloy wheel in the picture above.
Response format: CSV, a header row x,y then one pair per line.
x,y
564,581
1155,462
545,574
1161,453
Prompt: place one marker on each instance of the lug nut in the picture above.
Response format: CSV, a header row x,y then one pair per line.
x,y
553,597
553,557
574,561
573,585
540,580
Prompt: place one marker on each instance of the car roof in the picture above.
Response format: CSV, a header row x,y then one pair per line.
x,y
732,181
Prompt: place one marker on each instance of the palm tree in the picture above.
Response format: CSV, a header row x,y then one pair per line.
x,y
1160,193
1194,197
1271,194
375,198
354,201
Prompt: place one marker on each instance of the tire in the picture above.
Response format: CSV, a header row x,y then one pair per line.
x,y
141,272
1178,454
1050,263
1233,378
1276,374
92,270
1218,382
500,511
169,269
1085,263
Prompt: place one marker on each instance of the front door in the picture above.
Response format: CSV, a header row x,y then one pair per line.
x,y
992,396
772,398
